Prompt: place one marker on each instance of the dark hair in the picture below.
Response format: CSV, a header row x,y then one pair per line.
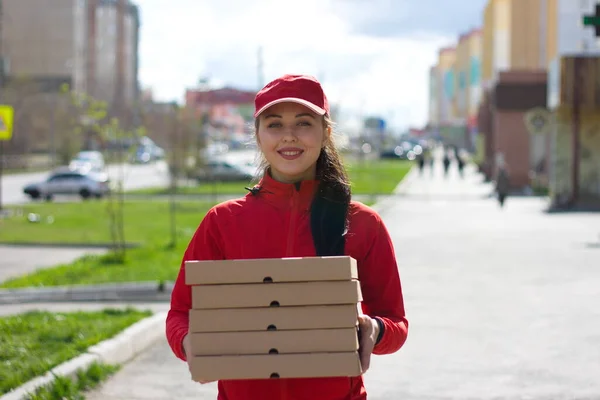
x,y
330,205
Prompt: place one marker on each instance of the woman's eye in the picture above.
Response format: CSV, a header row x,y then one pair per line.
x,y
274,125
304,123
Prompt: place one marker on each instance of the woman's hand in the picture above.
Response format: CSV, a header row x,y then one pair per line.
x,y
369,331
187,349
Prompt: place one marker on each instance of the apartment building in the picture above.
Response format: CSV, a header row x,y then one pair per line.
x,y
574,158
447,78
435,94
514,37
84,43
468,79
567,36
117,38
514,52
45,40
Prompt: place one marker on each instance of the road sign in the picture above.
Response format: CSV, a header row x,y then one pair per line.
x,y
593,20
376,123
538,121
6,122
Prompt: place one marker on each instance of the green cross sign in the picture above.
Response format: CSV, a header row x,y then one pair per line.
x,y
593,20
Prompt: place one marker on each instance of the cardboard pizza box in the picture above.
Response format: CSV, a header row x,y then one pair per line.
x,y
274,342
276,294
278,270
277,318
273,366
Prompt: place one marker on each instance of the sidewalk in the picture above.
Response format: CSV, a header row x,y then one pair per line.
x,y
18,260
433,185
154,375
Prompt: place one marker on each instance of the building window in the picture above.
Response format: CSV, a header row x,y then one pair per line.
x,y
449,82
462,80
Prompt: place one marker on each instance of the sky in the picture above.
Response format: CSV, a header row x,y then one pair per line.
x,y
371,56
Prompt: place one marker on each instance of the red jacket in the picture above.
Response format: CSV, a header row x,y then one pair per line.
x,y
275,223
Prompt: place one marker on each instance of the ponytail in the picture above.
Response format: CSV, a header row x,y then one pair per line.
x,y
329,209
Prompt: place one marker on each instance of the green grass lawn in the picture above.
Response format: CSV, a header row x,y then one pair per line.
x,y
377,176
147,223
34,342
74,389
368,177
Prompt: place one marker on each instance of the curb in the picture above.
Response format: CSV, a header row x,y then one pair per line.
x,y
136,291
401,188
118,350
405,183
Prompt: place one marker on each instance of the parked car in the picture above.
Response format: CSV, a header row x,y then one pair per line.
x,y
67,181
88,161
223,171
404,151
147,154
398,153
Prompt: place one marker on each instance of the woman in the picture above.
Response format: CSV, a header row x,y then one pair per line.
x,y
300,208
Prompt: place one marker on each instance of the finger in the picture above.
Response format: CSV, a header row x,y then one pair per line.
x,y
365,360
201,381
365,354
366,346
362,320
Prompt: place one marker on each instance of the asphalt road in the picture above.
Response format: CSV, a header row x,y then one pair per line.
x,y
135,176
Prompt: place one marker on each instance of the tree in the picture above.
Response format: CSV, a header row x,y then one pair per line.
x,y
88,118
179,131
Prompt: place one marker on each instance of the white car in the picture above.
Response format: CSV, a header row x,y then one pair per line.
x,y
66,181
88,161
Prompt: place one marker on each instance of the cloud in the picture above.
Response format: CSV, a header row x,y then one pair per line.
x,y
369,71
393,18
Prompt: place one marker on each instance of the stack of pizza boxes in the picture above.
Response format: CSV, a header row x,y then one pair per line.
x,y
274,318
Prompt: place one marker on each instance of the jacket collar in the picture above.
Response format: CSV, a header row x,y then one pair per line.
x,y
285,194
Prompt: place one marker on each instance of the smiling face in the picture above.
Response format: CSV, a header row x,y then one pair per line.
x,y
291,137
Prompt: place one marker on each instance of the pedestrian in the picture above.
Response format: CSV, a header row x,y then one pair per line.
x,y
301,207
421,162
431,159
446,161
502,184
461,165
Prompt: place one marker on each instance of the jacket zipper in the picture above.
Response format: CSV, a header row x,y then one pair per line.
x,y
289,252
291,236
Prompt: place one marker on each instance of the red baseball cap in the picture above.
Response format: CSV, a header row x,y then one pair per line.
x,y
301,89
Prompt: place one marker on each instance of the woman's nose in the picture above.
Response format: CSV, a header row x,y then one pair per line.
x,y
289,135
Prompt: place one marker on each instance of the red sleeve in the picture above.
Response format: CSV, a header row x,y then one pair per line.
x,y
382,291
203,246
